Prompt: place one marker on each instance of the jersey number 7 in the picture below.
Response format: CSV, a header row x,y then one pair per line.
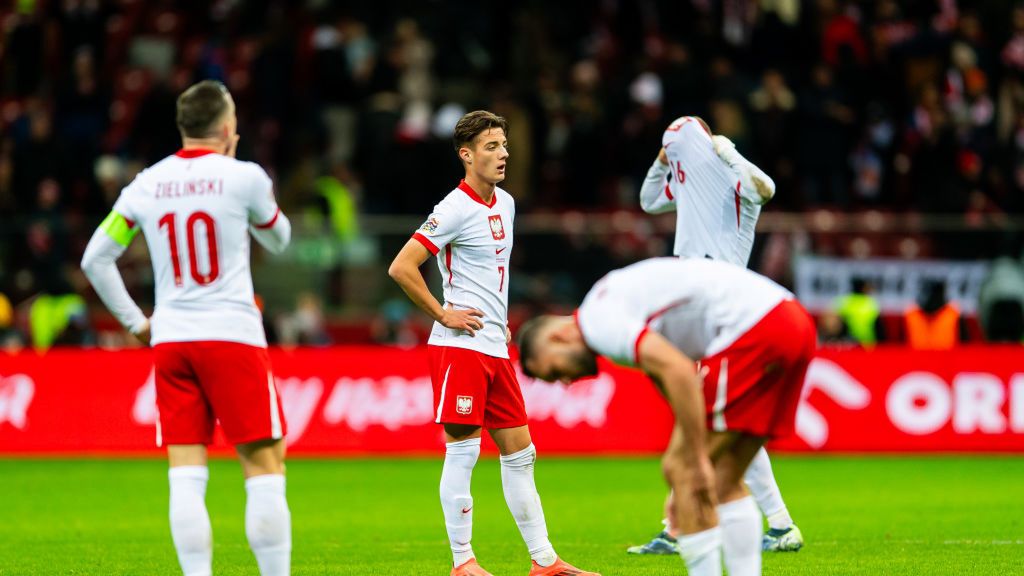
x,y
203,279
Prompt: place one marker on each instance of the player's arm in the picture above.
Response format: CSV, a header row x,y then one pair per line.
x,y
405,270
756,186
267,224
677,376
275,234
653,196
99,263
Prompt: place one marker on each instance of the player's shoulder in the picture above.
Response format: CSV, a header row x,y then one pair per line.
x,y
456,199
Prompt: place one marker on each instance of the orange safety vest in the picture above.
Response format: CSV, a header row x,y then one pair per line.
x,y
938,331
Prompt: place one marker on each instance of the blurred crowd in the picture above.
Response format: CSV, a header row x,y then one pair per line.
x,y
912,106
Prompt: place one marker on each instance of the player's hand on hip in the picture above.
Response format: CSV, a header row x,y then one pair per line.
x,y
143,333
508,335
468,319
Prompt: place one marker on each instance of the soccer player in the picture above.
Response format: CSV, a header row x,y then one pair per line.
x,y
475,386
754,343
717,195
196,210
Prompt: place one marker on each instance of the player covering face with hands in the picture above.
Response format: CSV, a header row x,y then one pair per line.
x,y
717,196
475,387
754,343
197,210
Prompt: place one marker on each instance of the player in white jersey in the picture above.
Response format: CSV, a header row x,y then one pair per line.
x,y
717,195
475,385
754,344
197,210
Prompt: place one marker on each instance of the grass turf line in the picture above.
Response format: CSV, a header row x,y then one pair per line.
x,y
859,515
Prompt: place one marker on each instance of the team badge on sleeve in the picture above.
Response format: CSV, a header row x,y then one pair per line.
x,y
464,404
497,228
430,226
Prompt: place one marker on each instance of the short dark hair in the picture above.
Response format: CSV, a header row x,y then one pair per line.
x,y
199,108
527,338
473,124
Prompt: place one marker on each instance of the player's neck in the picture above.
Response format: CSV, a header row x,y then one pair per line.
x,y
203,144
485,190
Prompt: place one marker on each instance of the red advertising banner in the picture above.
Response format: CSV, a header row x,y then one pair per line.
x,y
377,400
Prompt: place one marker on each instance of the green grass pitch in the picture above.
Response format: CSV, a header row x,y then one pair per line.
x,y
859,515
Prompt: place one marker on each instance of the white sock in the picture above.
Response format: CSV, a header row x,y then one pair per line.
x,y
702,552
456,499
268,524
761,481
740,521
190,522
524,503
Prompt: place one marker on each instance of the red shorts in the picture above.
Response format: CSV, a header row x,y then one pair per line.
x,y
473,388
754,385
198,383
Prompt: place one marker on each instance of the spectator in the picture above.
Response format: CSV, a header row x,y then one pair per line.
x,y
934,323
1001,301
861,314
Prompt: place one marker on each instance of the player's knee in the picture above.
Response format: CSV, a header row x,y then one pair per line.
x,y
524,458
262,457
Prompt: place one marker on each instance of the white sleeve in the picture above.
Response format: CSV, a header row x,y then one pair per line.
x,y
654,195
608,327
99,265
755,185
442,226
262,205
267,224
274,235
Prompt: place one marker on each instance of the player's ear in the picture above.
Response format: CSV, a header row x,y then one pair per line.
x,y
466,155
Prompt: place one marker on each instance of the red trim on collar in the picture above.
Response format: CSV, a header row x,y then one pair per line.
x,y
194,152
476,197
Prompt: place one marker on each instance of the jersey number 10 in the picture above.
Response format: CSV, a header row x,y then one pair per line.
x,y
203,279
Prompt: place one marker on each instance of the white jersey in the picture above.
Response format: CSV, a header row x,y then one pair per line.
x,y
195,208
700,306
716,207
473,245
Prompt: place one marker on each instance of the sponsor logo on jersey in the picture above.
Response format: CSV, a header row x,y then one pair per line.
x,y
497,228
464,404
430,226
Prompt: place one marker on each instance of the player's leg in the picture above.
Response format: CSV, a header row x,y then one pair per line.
x,y
268,521
505,420
518,456
783,535
738,515
185,427
190,521
240,386
459,381
462,450
700,537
